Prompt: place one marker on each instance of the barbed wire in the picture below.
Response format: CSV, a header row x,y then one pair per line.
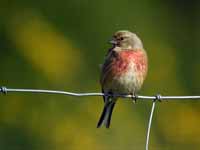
x,y
155,98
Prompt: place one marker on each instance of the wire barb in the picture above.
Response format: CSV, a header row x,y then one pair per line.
x,y
3,90
158,98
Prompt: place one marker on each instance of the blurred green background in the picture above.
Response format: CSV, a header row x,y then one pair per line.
x,y
60,44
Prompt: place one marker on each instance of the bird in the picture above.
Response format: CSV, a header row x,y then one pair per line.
x,y
123,71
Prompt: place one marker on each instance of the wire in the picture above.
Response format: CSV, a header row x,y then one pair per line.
x,y
8,90
154,98
149,125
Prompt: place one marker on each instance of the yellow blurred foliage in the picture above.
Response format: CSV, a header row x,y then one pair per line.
x,y
180,124
44,47
67,132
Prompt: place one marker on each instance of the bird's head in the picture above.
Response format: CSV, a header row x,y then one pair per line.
x,y
126,40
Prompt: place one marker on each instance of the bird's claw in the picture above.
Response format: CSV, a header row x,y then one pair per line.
x,y
134,97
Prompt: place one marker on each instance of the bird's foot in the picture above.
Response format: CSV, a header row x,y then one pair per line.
x,y
111,95
134,97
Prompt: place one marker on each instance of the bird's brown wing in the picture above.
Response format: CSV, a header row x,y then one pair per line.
x,y
106,70
104,73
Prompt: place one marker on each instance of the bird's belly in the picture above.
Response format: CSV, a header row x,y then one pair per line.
x,y
126,83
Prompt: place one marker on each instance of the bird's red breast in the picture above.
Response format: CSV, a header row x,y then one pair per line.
x,y
125,58
120,63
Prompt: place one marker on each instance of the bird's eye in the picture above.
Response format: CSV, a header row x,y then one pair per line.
x,y
121,38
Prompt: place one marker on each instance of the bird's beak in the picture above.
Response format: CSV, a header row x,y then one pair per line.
x,y
113,41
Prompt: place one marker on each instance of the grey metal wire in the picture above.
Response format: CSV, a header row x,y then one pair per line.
x,y
8,90
154,98
149,125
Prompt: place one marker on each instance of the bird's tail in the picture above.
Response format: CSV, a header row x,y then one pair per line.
x,y
106,114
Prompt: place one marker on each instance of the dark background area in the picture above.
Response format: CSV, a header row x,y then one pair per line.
x,y
59,45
